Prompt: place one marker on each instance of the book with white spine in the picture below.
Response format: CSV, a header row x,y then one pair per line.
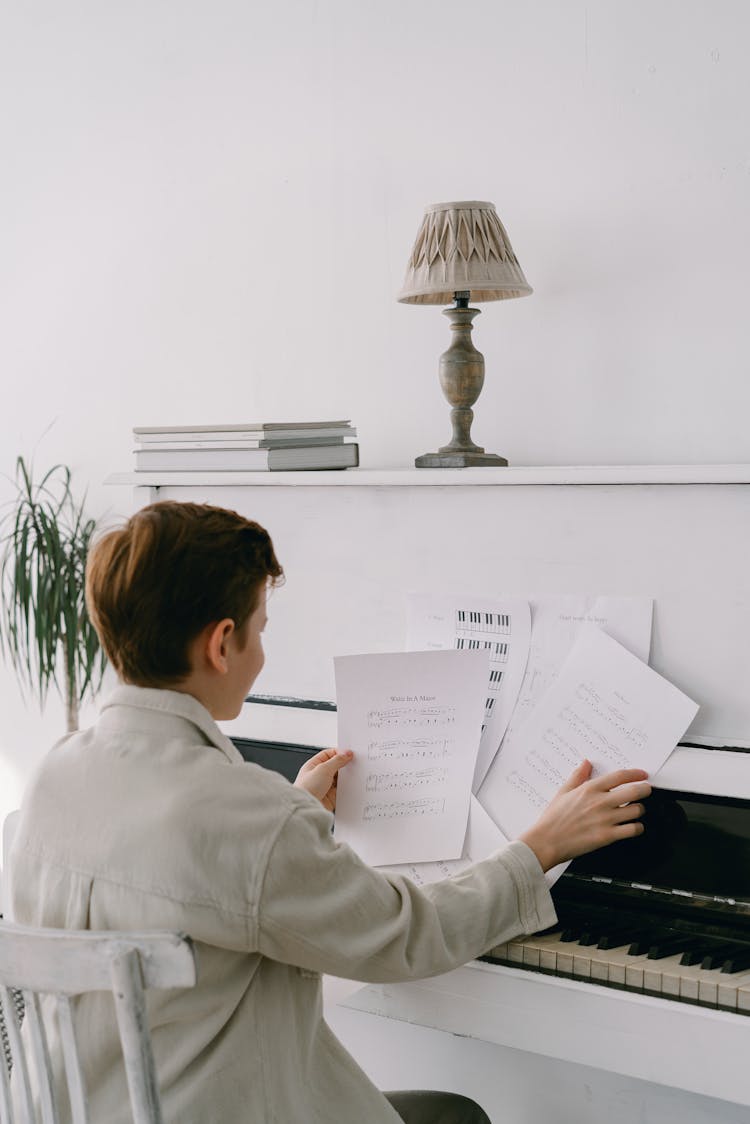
x,y
245,431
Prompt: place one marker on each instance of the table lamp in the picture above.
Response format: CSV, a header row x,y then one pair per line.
x,y
461,253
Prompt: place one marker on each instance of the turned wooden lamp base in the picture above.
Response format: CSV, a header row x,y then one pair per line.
x,y
460,460
462,378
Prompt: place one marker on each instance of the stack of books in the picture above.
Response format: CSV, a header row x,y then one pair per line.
x,y
261,446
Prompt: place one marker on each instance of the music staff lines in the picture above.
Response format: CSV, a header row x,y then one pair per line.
x,y
407,779
396,809
411,716
412,749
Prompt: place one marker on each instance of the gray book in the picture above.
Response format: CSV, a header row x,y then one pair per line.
x,y
243,459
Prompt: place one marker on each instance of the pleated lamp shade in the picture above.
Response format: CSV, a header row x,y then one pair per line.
x,y
462,247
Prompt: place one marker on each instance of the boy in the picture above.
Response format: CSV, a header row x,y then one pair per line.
x,y
151,819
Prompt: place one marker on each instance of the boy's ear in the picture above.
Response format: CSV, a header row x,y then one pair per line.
x,y
216,645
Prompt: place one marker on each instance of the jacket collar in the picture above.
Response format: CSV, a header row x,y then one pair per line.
x,y
178,704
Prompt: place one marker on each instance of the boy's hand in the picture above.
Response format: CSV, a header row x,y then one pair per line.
x,y
318,775
586,814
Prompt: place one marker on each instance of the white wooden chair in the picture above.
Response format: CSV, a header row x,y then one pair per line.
x,y
10,825
63,964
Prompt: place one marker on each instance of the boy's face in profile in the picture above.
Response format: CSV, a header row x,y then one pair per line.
x,y
245,657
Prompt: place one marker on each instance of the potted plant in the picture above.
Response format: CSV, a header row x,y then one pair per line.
x,y
45,630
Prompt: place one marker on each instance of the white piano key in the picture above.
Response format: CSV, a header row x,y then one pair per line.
x,y
634,973
562,951
695,979
610,965
670,986
530,955
708,986
581,962
514,952
542,950
727,989
599,969
743,998
663,976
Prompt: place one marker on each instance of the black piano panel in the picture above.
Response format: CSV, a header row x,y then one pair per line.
x,y
286,758
692,843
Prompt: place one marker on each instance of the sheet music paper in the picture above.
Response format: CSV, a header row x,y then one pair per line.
x,y
502,627
605,705
556,622
413,720
483,838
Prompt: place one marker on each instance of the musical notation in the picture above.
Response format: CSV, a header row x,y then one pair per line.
x,y
602,702
415,749
544,768
411,716
532,795
610,714
562,748
412,719
597,743
398,809
422,778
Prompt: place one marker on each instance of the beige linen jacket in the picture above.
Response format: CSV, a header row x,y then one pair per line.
x,y
151,819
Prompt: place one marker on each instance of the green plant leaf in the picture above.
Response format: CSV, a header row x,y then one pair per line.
x,y
45,632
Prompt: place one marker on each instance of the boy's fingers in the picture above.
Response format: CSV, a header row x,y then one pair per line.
x,y
337,759
319,757
620,776
626,793
324,755
577,777
630,812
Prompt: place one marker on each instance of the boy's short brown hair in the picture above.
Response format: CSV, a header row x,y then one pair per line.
x,y
153,585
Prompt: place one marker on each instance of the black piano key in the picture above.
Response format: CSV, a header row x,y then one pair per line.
x,y
692,956
590,936
738,963
616,938
669,945
571,933
720,953
645,940
702,951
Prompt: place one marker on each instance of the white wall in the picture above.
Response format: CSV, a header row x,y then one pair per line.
x,y
206,210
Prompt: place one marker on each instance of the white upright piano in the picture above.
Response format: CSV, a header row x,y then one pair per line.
x,y
533,1042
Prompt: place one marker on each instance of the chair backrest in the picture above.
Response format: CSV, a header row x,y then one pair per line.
x,y
62,963
10,825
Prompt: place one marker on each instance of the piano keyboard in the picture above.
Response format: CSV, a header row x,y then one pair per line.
x,y
468,620
663,964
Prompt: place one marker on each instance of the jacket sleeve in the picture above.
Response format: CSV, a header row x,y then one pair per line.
x,y
321,908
